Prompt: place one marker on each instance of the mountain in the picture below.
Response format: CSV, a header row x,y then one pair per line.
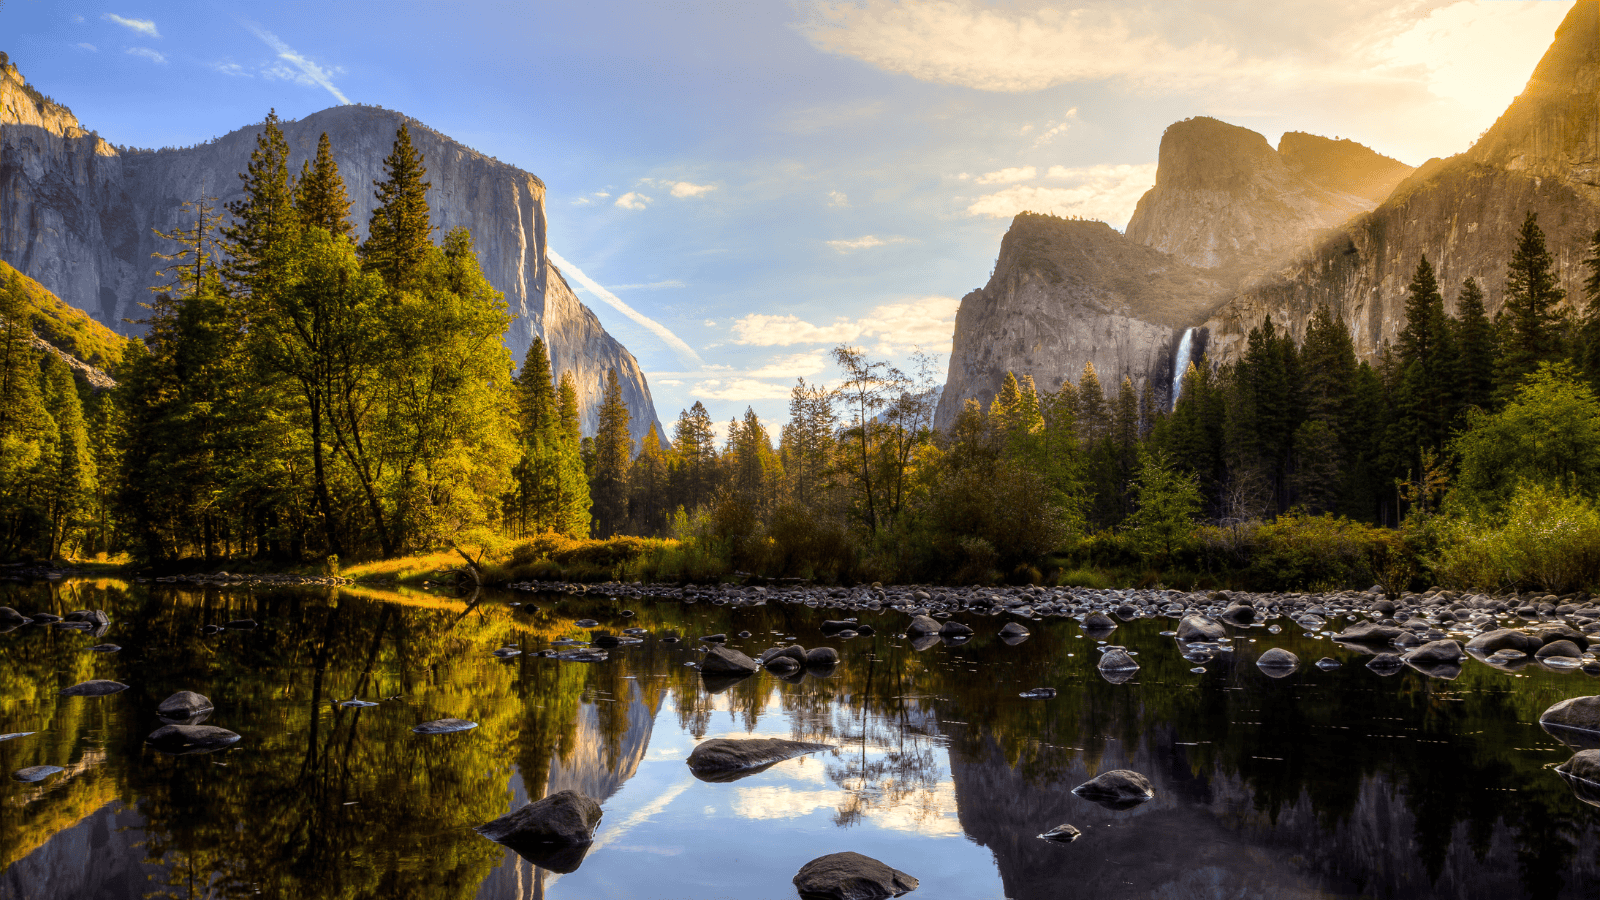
x,y
1235,231
77,213
86,346
1542,156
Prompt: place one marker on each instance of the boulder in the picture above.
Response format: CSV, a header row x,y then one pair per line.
x,y
184,705
851,876
793,651
728,759
181,740
955,629
922,625
99,687
822,658
1117,661
1061,834
1098,622
9,616
1013,630
1278,662
33,774
1446,651
782,665
1386,663
720,660
1116,789
1559,648
1582,774
444,726
834,626
1201,628
1549,634
1504,639
1368,633
1575,721
552,833
1239,615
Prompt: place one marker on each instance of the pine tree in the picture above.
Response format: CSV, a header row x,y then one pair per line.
x,y
1588,350
69,484
399,234
613,456
1532,321
1093,419
320,196
1324,448
647,487
194,267
1125,424
265,221
535,502
1426,357
1475,349
694,444
807,444
574,501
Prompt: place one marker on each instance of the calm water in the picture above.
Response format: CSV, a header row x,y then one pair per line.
x,y
1323,784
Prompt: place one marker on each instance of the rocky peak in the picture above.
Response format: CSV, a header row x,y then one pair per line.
x,y
1225,199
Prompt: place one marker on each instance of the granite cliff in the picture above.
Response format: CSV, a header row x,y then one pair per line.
x,y
1235,231
77,213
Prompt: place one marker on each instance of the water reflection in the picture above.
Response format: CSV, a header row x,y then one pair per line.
x,y
1319,783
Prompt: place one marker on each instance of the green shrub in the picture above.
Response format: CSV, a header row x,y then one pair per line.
x,y
1546,538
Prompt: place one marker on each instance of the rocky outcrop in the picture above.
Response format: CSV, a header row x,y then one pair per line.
x,y
1065,292
1225,199
77,213
1542,155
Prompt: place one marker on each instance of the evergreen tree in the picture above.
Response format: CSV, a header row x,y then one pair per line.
x,y
69,485
194,267
1588,349
613,456
574,504
399,233
1195,432
694,445
320,197
265,220
647,487
807,444
1427,367
1475,349
1094,421
1531,318
535,499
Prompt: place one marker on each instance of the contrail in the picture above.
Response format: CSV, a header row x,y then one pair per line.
x,y
661,331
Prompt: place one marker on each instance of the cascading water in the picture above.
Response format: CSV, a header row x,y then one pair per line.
x,y
1180,364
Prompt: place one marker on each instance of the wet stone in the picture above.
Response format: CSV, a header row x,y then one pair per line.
x,y
1062,834
444,726
99,687
34,774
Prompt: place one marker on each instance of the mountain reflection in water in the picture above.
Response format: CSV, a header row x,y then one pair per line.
x,y
1321,784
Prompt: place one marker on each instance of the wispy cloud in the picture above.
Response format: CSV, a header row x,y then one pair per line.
x,y
632,200
147,53
690,189
89,47
739,390
229,68
838,198
1009,176
143,26
894,327
1108,193
651,286
684,351
1056,129
303,70
865,242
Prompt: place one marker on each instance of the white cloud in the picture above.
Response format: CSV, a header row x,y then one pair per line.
x,y
1057,129
304,71
147,53
837,198
1108,193
89,47
798,365
738,389
143,26
683,350
711,323
233,69
1009,176
582,201
865,242
690,189
632,200
893,327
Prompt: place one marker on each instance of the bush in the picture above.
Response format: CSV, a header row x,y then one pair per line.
x,y
1546,538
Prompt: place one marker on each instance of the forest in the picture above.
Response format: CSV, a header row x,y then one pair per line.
x,y
300,397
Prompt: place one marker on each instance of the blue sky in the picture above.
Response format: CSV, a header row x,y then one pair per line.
x,y
765,180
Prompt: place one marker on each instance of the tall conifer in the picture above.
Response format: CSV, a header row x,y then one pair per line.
x,y
399,234
320,196
265,221
1530,314
613,456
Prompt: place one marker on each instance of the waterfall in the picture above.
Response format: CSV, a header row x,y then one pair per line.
x,y
1181,364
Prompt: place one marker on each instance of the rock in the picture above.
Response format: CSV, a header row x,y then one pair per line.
x,y
184,705
782,665
582,654
851,876
34,774
922,625
1117,789
793,651
444,726
548,831
1328,664
1062,834
1098,622
834,626
715,638
1445,671
104,648
954,629
586,623
1582,774
181,740
1013,630
99,687
720,660
1042,693
1386,663
1238,615
822,658
1575,721
922,642
1445,651
1559,648
1504,639
1549,634
1368,633
9,616
1278,662
1201,628
728,759
1116,661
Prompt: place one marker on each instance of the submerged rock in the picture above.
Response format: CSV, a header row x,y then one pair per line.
x,y
99,687
851,876
582,654
1201,628
1062,834
184,705
1575,721
1116,660
444,726
1099,622
922,625
1491,642
181,740
1368,633
1043,693
1278,662
822,658
729,759
104,648
34,774
9,616
720,660
553,833
1386,663
1582,774
1117,789
1445,651
1561,648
